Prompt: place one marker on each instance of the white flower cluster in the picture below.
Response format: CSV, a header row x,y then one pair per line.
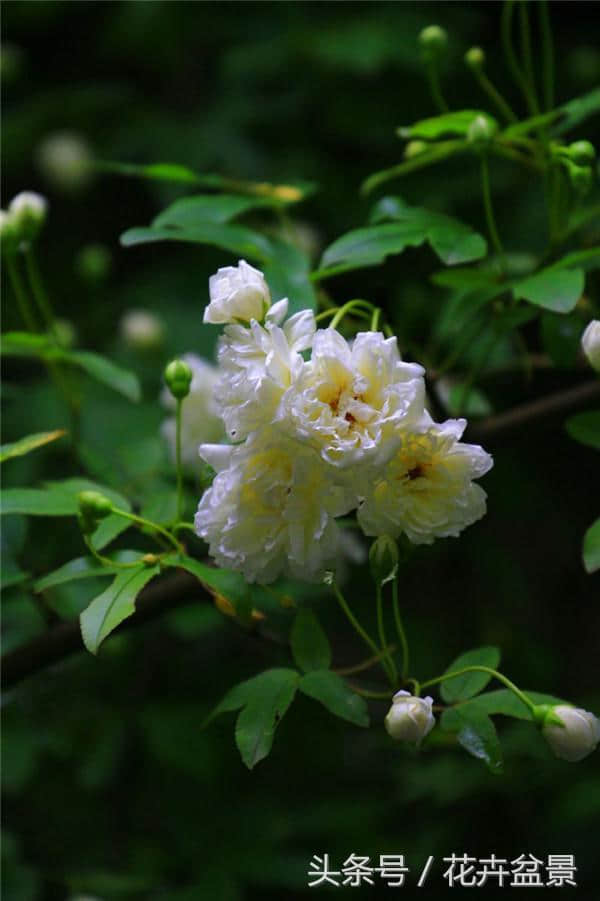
x,y
315,439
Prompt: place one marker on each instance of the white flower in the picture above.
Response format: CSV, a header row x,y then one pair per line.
x,y
577,738
200,421
28,212
65,159
348,402
590,342
426,489
410,718
270,509
257,365
237,294
142,329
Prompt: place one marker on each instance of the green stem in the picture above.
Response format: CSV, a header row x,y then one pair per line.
x,y
527,56
511,57
366,693
495,96
387,660
106,561
178,465
39,293
356,625
375,319
483,669
547,54
189,526
365,664
400,629
358,305
434,86
487,203
21,294
148,524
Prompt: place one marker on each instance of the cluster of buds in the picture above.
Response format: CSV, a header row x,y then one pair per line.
x,y
23,220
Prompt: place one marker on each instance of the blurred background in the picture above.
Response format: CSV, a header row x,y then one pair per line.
x,y
112,789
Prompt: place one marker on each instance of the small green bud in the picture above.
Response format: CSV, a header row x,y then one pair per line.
x,y
93,263
433,40
475,58
383,559
414,148
66,334
28,211
582,152
9,234
93,505
579,176
178,377
481,130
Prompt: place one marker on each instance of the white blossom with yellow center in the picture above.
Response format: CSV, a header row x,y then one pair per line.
x,y
348,402
426,490
270,509
257,364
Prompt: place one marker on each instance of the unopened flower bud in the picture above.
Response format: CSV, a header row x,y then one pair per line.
x,y
579,176
66,334
571,732
65,160
142,330
590,343
414,148
475,58
178,378
481,130
410,718
93,263
93,505
433,39
9,234
28,212
582,152
237,294
383,559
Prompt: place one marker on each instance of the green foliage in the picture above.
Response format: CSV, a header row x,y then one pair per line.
x,y
310,646
469,684
585,428
476,733
591,548
455,124
335,695
554,288
28,444
84,568
114,605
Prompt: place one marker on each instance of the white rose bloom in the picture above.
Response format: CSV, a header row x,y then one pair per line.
x,y
410,718
270,509
257,365
348,402
577,738
590,342
426,491
200,421
237,294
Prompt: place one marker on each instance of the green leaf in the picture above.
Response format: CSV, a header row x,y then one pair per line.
x,y
84,568
188,212
235,238
554,288
455,124
578,110
477,734
264,699
55,498
288,275
585,428
310,645
228,584
502,701
591,548
26,445
162,172
102,370
114,605
469,684
453,241
526,125
23,344
334,694
434,154
467,278
11,573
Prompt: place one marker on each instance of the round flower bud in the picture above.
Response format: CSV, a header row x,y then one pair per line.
x,y
178,378
93,505
578,735
65,160
142,330
590,343
237,294
9,234
433,39
410,718
481,130
383,559
93,263
66,334
414,148
28,212
582,152
579,176
475,58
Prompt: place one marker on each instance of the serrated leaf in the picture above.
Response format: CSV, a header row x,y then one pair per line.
x,y
224,582
188,212
235,238
102,370
288,275
334,694
502,701
28,444
477,734
591,548
310,646
462,687
84,568
554,288
455,124
264,700
585,428
114,605
433,154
